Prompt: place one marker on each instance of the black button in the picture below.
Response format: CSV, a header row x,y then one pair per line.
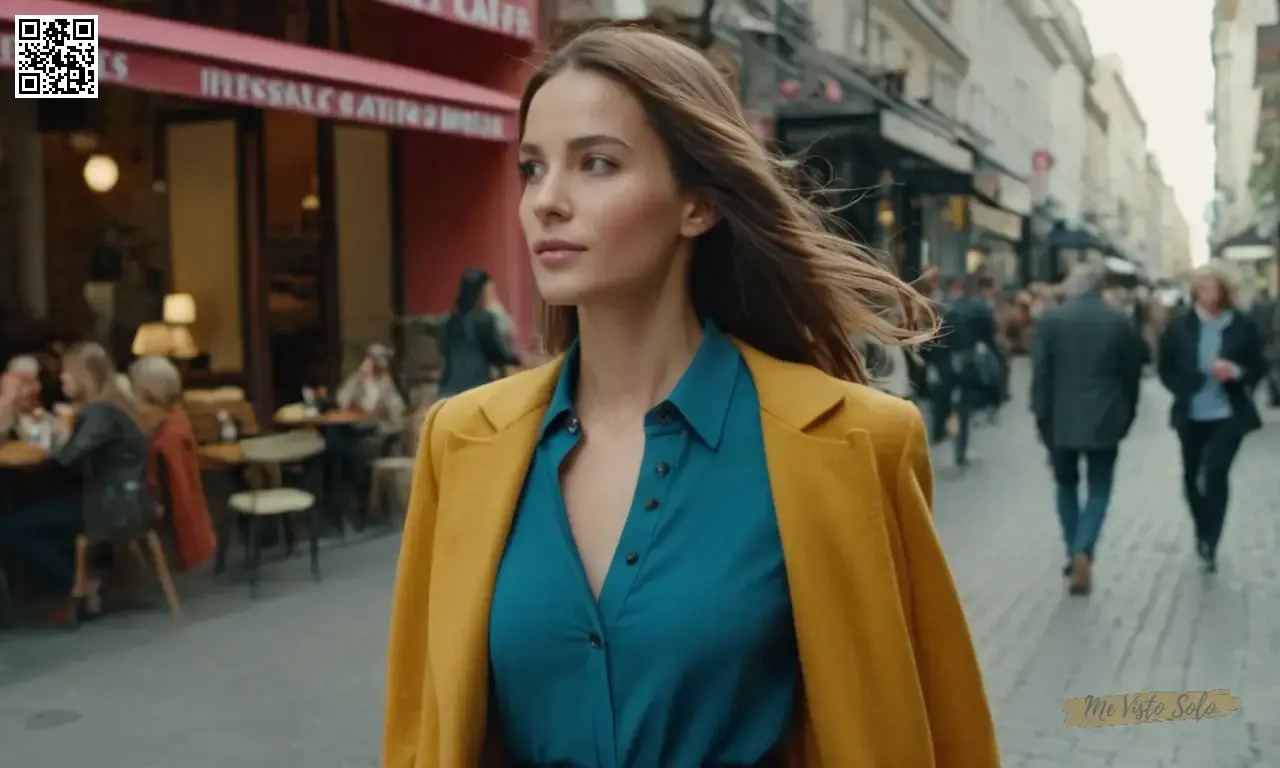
x,y
664,413
574,426
662,469
651,504
595,640
632,558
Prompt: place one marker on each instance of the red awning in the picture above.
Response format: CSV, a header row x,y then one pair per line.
x,y
511,18
165,56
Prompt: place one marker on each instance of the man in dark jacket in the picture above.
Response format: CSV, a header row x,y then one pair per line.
x,y
1087,369
1266,317
968,367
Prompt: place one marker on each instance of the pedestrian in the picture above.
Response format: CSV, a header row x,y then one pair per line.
x,y
1210,360
1086,375
1266,316
696,538
972,373
471,341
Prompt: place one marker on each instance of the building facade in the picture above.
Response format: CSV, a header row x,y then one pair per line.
x,y
1236,103
1124,222
1069,114
1175,236
1152,247
301,173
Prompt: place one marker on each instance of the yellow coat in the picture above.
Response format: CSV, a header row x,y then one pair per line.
x,y
890,678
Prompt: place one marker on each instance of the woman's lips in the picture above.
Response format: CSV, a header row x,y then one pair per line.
x,y
555,257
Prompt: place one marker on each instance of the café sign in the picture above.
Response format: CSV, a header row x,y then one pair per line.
x,y
151,71
344,104
513,18
113,66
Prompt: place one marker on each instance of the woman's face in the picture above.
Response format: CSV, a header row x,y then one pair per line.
x,y
1209,293
70,386
602,213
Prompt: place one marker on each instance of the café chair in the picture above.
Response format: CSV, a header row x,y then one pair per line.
x,y
134,543
301,447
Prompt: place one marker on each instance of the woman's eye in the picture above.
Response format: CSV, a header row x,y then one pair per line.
x,y
599,165
530,170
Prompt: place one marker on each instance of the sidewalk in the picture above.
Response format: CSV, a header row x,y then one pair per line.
x,y
1154,622
296,678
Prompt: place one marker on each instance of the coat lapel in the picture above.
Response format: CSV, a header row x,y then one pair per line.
x,y
829,501
482,476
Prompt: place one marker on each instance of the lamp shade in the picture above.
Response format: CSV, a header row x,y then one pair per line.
x,y
181,344
179,309
101,173
153,339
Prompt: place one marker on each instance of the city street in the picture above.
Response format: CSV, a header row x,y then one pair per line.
x,y
296,677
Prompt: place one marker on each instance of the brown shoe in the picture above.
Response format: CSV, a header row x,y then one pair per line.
x,y
1080,584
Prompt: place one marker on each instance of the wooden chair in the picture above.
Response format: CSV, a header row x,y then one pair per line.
x,y
298,447
134,545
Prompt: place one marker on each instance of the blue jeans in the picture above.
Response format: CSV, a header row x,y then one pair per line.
x,y
1081,526
42,535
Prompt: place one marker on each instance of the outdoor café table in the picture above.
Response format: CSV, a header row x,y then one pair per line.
x,y
340,418
15,454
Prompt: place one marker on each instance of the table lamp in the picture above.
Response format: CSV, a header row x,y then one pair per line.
x,y
179,315
179,309
153,339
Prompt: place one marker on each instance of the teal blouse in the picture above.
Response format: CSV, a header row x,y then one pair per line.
x,y
688,659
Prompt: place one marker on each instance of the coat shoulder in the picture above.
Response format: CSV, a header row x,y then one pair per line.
x,y
890,421
520,392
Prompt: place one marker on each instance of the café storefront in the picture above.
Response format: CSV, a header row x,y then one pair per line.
x,y
259,177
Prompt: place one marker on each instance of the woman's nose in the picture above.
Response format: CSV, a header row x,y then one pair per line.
x,y
552,197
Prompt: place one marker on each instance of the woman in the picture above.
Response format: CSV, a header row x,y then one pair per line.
x,y
471,341
108,448
545,613
371,389
173,464
1211,359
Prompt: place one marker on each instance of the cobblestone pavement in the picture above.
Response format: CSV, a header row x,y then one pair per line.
x,y
1154,621
295,678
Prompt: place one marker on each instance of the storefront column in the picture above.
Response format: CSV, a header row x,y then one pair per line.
x,y
28,185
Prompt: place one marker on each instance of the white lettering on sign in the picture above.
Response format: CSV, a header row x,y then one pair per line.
x,y
498,15
326,101
113,66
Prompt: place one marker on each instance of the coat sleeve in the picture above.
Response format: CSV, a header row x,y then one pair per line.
x,y
410,705
960,722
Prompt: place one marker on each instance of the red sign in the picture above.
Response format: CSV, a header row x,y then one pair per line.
x,y
1042,160
150,71
513,18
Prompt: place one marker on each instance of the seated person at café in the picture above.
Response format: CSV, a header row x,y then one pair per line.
x,y
105,444
173,468
371,390
24,373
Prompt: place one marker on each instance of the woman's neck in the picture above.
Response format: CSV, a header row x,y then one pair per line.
x,y
630,358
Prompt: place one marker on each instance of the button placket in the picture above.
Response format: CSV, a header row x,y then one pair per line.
x,y
662,447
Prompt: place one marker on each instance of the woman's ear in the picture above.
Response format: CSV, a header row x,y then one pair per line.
x,y
700,215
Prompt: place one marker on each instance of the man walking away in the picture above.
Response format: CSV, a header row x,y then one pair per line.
x,y
1266,316
975,366
1086,371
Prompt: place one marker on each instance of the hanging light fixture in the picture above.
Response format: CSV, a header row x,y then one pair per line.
x,y
101,173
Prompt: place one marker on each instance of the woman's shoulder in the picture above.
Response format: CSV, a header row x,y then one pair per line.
x,y
495,405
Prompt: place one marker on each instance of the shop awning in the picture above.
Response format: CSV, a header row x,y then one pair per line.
x,y
163,56
510,18
1120,266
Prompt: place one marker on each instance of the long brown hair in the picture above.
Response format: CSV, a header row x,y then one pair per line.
x,y
771,272
97,376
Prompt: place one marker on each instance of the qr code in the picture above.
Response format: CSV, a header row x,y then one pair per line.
x,y
55,57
